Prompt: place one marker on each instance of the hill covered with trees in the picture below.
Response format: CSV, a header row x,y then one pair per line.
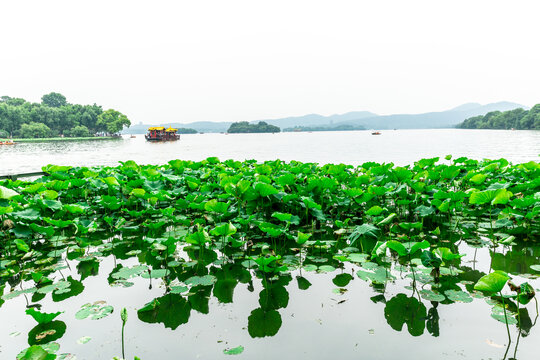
x,y
246,127
513,119
55,117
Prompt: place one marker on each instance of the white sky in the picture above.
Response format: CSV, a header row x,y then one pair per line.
x,y
228,60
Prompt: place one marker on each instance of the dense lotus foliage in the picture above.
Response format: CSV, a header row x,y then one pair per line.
x,y
203,227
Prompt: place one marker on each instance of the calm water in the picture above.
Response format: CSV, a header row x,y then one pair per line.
x,y
353,147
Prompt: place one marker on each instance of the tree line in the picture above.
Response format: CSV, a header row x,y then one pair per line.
x,y
55,117
519,119
246,127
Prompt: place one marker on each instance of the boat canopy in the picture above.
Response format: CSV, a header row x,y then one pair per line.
x,y
171,130
159,128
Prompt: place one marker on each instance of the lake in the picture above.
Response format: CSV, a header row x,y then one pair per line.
x,y
324,308
349,147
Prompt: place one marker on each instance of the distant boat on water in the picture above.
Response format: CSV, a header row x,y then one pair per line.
x,y
376,133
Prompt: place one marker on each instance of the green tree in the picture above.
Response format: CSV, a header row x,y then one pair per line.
x,y
112,121
512,119
80,131
12,101
532,119
53,100
35,130
11,118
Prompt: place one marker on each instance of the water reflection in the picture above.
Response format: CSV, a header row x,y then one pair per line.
x,y
188,276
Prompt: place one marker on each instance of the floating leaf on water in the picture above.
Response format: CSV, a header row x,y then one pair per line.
x,y
380,275
84,340
309,267
174,263
66,356
94,311
234,351
458,296
129,272
430,295
16,293
356,257
156,274
51,347
326,268
122,283
206,280
179,289
511,320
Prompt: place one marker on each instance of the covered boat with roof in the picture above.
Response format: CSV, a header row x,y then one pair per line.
x,y
159,133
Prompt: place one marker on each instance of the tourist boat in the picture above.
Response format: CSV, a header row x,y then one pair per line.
x,y
376,133
10,142
159,133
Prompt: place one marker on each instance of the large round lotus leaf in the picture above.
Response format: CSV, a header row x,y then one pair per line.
x,y
493,282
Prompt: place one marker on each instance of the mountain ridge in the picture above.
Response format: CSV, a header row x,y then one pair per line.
x,y
430,120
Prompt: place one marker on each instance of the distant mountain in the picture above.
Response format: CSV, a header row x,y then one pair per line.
x,y
317,120
443,119
431,120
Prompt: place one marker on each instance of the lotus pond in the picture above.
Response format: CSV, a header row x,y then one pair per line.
x,y
211,259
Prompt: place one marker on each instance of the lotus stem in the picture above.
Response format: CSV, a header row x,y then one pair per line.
x,y
505,320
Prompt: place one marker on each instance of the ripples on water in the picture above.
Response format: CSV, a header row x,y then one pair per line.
x,y
351,147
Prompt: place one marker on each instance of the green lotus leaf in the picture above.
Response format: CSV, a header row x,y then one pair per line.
x,y
6,193
493,282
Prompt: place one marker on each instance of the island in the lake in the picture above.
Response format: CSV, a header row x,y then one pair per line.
x,y
246,127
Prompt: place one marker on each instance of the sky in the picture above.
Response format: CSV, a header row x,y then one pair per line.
x,y
241,60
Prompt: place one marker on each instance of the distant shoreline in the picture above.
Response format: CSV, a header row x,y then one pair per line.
x,y
32,140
